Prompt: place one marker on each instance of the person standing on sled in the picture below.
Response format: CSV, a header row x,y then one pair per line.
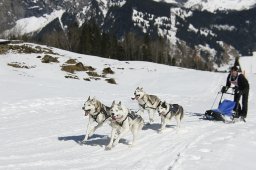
x,y
241,87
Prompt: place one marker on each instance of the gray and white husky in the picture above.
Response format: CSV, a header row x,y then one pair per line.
x,y
97,112
167,111
146,102
123,121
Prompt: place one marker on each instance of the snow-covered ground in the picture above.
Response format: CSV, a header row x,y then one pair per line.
x,y
248,63
41,120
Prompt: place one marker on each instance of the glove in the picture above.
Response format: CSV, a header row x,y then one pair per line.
x,y
224,89
235,88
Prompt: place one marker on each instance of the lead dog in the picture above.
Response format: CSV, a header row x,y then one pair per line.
x,y
97,112
167,111
146,102
123,121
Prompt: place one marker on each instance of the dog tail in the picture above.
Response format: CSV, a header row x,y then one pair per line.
x,y
181,112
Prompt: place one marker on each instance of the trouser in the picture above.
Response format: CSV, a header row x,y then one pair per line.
x,y
241,111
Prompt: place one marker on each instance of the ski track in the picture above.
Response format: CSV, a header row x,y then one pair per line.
x,y
41,149
35,147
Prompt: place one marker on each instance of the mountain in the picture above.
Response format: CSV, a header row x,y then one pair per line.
x,y
214,5
42,121
214,31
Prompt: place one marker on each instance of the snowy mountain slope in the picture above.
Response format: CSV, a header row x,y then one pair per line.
x,y
178,22
32,24
42,121
214,5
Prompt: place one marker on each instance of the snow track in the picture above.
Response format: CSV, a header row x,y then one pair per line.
x,y
41,128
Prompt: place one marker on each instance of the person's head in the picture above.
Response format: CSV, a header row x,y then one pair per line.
x,y
234,71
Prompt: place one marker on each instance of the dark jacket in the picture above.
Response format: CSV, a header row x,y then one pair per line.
x,y
242,83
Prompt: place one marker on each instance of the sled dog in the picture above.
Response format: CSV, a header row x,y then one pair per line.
x,y
97,112
167,111
123,121
146,102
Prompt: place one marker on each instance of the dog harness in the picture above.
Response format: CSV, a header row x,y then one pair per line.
x,y
174,108
131,115
144,106
103,110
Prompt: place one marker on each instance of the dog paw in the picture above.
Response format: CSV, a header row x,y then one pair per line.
x,y
82,142
85,140
115,143
160,132
90,135
108,148
131,146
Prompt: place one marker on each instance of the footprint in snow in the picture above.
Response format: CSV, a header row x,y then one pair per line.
x,y
195,157
204,150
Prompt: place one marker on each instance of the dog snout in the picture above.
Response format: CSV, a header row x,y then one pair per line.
x,y
112,114
83,108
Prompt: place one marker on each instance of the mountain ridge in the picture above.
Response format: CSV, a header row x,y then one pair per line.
x,y
180,26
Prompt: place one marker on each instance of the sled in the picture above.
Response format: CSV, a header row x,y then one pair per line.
x,y
225,112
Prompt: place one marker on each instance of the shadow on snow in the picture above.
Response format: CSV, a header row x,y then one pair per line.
x,y
94,140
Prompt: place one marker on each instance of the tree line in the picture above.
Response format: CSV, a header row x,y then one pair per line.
x,y
89,39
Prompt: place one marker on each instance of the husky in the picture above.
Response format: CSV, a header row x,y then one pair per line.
x,y
97,112
146,102
123,121
167,111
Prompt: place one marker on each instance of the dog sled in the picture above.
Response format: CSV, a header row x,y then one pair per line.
x,y
227,110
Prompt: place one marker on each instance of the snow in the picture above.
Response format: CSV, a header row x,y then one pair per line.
x,y
137,17
118,3
192,28
168,1
207,48
248,63
32,24
206,32
213,5
224,27
3,40
103,5
42,120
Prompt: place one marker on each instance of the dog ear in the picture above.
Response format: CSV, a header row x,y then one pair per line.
x,y
89,98
93,98
120,105
113,103
164,105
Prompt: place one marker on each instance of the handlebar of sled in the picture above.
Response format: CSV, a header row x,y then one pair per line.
x,y
226,93
221,96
